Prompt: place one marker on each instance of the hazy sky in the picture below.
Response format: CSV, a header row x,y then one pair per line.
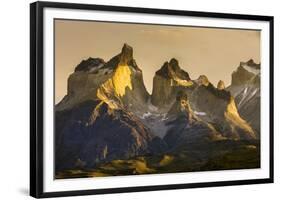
x,y
213,52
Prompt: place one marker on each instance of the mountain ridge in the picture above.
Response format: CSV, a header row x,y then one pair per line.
x,y
107,113
247,92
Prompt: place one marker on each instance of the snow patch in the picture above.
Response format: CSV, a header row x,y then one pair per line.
x,y
254,92
106,71
251,69
94,69
243,96
156,122
147,114
245,91
164,117
200,113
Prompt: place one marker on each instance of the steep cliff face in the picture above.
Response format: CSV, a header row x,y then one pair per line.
x,y
166,82
247,92
214,106
218,108
108,115
248,103
82,85
185,127
95,122
245,72
118,82
125,85
90,65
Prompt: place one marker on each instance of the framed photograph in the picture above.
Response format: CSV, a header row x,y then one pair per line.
x,y
127,99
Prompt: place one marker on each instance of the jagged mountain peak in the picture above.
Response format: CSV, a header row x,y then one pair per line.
x,y
245,87
124,58
203,80
117,82
172,70
167,80
245,72
90,64
127,49
108,115
174,63
182,105
251,63
221,85
126,55
250,66
164,70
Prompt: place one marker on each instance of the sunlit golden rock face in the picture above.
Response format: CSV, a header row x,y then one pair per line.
x,y
124,88
106,93
179,82
245,87
122,80
115,87
221,85
119,84
236,122
112,121
222,111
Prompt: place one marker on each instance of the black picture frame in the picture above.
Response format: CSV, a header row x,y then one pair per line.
x,y
37,97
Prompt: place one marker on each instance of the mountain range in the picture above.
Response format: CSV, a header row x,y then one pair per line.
x,y
108,124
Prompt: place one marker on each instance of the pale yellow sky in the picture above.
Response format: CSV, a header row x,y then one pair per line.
x,y
210,51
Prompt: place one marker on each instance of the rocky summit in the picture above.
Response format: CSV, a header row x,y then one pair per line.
x,y
245,88
221,85
108,124
166,81
91,64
